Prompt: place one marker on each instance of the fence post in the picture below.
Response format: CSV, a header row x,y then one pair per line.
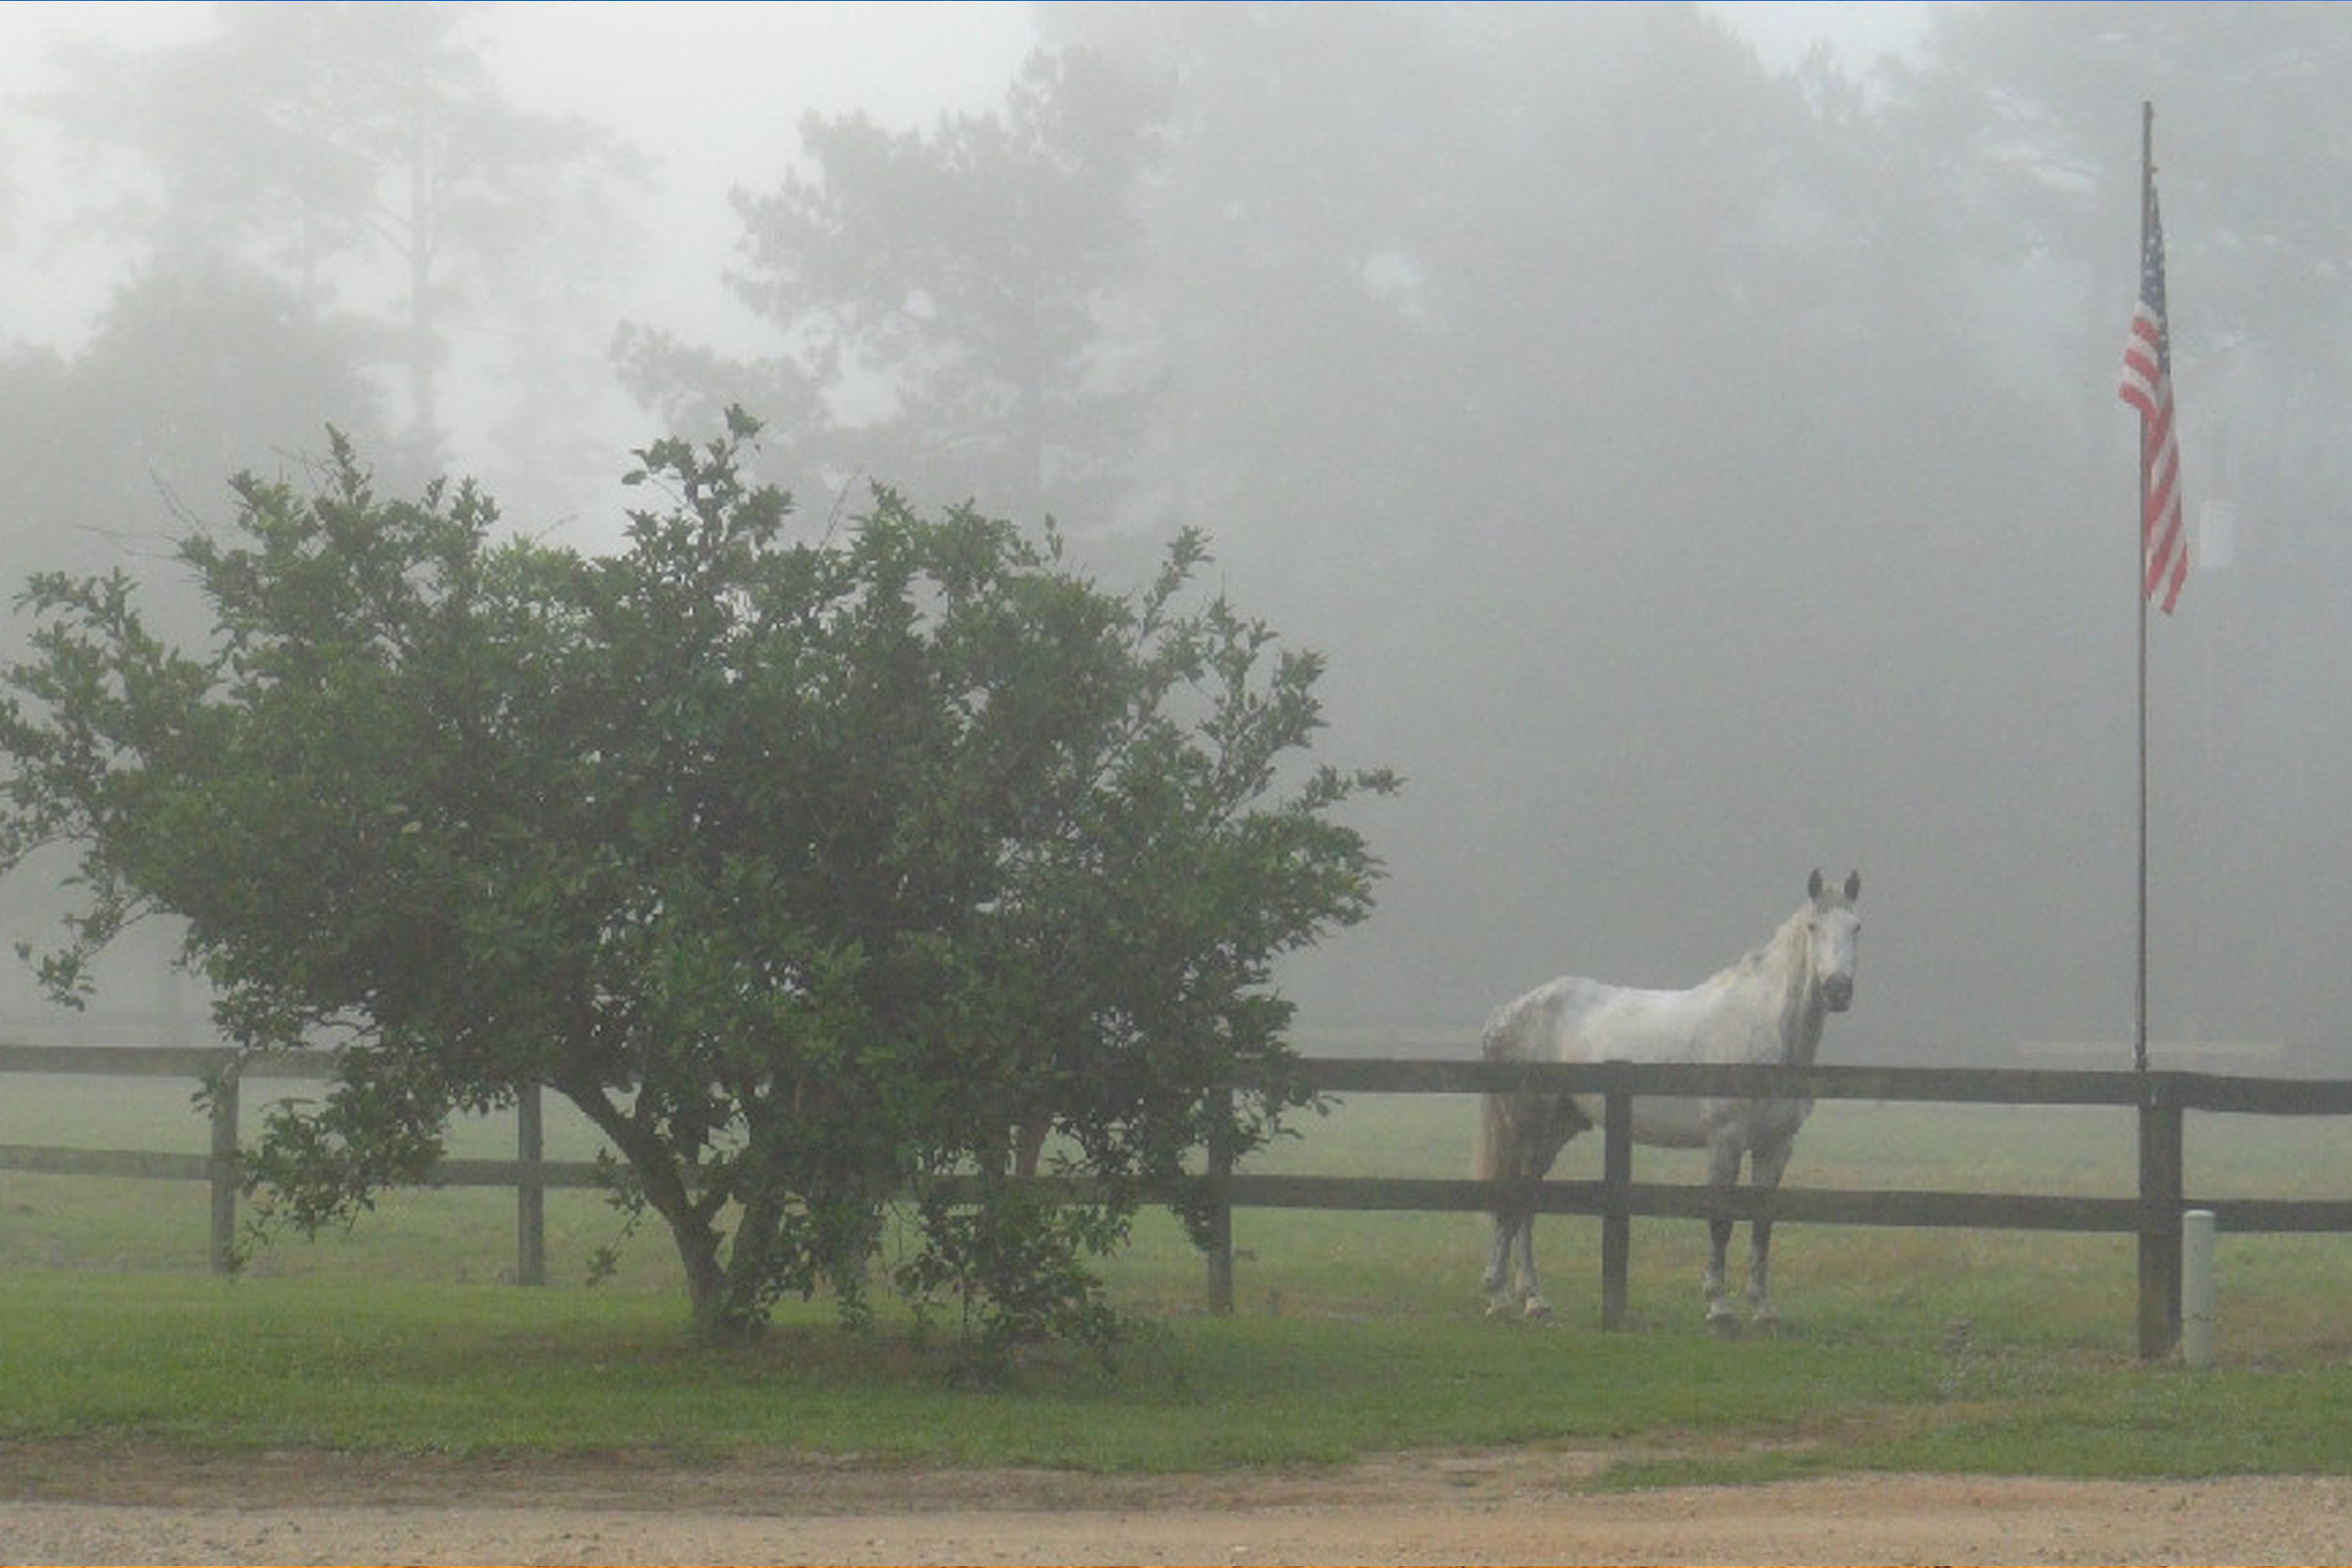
x,y
1616,1181
223,1170
530,1191
1220,1180
2160,1199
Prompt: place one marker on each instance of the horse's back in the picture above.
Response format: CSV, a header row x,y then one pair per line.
x,y
1573,1019
1576,1019
1536,1026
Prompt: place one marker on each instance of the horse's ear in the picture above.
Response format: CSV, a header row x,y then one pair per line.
x,y
1853,885
1813,888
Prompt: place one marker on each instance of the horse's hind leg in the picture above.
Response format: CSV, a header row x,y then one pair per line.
x,y
1557,1120
1523,1136
1510,1279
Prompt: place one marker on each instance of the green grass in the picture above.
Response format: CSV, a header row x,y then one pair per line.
x,y
1356,1333
480,1371
317,1364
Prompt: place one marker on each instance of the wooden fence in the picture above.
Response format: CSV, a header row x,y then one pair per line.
x,y
2160,1101
529,1172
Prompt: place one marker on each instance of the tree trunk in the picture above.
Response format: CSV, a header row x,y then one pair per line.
x,y
706,1292
693,1230
748,1261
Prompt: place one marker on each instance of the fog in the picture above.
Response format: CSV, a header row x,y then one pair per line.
x,y
1690,433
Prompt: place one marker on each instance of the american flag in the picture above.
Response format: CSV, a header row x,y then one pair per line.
x,y
2147,386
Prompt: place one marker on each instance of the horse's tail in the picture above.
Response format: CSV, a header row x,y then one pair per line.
x,y
1498,1154
1488,1162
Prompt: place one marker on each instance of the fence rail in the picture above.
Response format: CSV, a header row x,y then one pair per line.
x,y
2161,1101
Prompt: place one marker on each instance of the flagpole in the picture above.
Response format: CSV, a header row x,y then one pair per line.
x,y
2140,596
2146,385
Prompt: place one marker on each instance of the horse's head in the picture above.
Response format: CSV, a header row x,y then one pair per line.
x,y
1832,933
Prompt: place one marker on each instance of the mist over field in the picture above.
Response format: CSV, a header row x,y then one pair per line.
x,y
1695,450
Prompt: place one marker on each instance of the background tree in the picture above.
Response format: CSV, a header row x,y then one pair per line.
x,y
1695,460
803,870
1536,357
2030,123
365,154
197,365
955,310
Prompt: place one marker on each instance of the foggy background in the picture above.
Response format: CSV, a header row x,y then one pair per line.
x,y
1691,433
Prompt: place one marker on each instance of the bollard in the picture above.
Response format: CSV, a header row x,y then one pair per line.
x,y
2196,1287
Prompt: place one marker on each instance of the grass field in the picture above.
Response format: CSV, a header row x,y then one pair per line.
x,y
1354,1333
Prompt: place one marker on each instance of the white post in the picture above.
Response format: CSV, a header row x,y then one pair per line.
x,y
2196,1287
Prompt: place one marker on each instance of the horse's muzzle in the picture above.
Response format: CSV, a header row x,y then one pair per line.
x,y
1838,993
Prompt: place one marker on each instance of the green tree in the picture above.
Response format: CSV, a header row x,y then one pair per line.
x,y
805,871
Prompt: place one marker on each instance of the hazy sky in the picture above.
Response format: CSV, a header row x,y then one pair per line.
x,y
714,90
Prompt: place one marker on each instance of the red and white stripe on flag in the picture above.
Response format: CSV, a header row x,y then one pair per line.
x,y
2147,387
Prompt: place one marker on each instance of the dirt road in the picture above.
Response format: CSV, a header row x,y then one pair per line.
x,y
73,1503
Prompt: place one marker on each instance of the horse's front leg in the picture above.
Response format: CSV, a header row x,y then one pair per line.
x,y
1769,1163
1723,1175
1498,1281
1536,1307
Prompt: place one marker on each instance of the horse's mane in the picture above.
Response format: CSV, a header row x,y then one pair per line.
x,y
1800,1034
1757,957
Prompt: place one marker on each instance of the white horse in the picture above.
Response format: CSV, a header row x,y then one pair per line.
x,y
1766,1010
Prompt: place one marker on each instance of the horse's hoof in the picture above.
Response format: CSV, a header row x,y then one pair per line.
x,y
1538,1310
1768,1324
1723,1321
